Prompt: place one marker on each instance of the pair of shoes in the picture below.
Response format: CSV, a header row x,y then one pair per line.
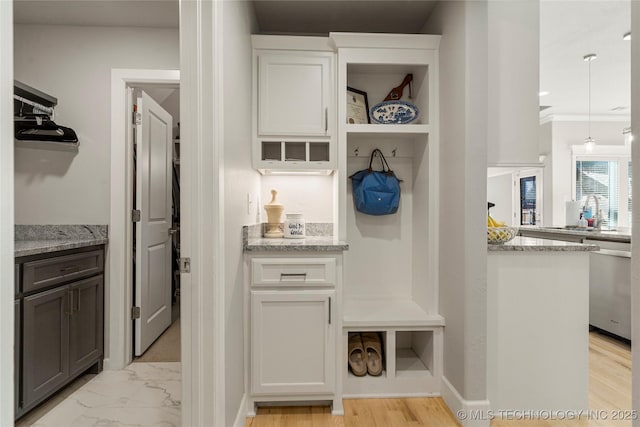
x,y
365,354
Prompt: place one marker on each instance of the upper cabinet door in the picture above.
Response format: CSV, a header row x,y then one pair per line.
x,y
294,94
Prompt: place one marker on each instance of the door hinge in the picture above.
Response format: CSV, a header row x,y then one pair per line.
x,y
135,215
185,265
135,312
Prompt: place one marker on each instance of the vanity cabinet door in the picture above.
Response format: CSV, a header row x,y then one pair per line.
x,y
17,346
293,341
294,93
86,341
45,364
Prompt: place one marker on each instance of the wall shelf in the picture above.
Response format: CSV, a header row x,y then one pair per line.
x,y
388,129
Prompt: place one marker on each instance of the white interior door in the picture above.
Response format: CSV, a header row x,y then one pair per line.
x,y
153,240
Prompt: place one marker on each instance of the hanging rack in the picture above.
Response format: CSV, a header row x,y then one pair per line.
x,y
33,116
40,102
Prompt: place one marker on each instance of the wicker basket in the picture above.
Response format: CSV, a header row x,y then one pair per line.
x,y
499,235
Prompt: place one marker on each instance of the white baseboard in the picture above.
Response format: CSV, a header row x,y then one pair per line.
x,y
470,413
106,364
241,416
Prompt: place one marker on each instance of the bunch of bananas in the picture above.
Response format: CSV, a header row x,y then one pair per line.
x,y
498,232
493,223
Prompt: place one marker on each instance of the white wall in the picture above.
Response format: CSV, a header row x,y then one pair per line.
x,y
514,51
74,65
463,154
239,179
564,136
6,214
500,192
309,195
635,241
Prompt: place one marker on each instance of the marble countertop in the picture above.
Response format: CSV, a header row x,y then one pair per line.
x,y
531,244
41,239
622,235
308,244
319,239
34,247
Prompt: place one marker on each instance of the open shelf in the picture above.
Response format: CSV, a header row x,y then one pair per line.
x,y
408,363
387,313
412,364
414,353
388,129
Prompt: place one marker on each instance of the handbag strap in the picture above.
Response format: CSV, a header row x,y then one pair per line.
x,y
383,162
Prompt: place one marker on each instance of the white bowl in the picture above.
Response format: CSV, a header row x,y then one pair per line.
x,y
499,235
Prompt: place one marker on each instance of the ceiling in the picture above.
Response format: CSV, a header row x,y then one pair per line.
x,y
569,30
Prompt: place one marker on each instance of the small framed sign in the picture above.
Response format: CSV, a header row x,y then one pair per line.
x,y
357,106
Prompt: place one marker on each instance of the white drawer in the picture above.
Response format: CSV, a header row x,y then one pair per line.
x,y
293,271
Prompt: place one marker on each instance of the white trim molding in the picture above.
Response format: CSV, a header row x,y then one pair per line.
x,y
7,290
470,413
585,118
118,265
202,195
241,416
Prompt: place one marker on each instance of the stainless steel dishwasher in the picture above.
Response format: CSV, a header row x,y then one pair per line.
x,y
610,287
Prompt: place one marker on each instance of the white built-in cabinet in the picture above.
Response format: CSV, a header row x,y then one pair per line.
x,y
391,268
292,341
303,308
294,104
294,337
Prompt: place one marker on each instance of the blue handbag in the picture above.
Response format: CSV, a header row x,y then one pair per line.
x,y
376,192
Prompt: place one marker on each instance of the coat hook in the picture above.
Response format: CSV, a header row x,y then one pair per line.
x,y
394,151
356,151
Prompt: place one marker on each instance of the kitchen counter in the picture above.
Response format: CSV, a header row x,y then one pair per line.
x,y
308,244
538,298
319,239
40,239
531,244
622,235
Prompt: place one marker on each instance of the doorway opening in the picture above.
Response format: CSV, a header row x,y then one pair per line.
x,y
155,243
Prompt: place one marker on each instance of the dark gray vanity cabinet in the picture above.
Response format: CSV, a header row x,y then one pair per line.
x,y
45,356
86,335
61,321
17,348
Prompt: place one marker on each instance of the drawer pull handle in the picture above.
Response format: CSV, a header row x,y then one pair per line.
x,y
329,310
70,268
283,275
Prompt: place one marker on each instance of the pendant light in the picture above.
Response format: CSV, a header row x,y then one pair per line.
x,y
589,142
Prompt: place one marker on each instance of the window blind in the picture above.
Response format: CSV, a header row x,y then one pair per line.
x,y
599,178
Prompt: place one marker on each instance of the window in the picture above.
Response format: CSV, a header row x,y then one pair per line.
x,y
608,177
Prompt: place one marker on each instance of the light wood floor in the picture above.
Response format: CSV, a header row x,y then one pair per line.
x,y
609,390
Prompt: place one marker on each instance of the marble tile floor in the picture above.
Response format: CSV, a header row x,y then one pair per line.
x,y
141,395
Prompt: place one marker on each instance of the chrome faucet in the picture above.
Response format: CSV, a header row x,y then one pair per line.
x,y
597,220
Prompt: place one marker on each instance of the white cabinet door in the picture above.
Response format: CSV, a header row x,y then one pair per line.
x,y
293,342
294,94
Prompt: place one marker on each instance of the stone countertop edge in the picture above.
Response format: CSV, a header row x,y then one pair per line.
x,y
41,239
532,244
252,242
35,247
604,235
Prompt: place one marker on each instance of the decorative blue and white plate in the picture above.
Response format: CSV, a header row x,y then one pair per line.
x,y
394,112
